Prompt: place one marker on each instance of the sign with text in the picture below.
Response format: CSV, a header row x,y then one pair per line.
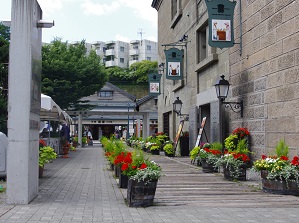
x,y
221,31
174,63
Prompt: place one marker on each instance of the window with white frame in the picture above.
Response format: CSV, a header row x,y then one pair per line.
x,y
148,58
121,60
122,49
105,94
135,57
148,47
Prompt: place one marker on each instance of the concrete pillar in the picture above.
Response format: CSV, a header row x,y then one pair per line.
x,y
146,125
24,102
138,128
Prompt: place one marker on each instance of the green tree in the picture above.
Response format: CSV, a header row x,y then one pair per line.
x,y
116,74
140,70
68,73
4,59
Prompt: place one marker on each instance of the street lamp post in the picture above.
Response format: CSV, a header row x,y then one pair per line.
x,y
128,133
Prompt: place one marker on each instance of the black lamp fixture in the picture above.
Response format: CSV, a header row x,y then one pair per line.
x,y
222,88
177,107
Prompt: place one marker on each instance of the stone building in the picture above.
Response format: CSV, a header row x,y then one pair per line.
x,y
262,68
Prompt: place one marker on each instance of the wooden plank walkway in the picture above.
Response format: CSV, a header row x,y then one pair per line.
x,y
186,184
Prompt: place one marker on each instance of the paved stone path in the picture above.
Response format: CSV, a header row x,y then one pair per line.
x,y
83,189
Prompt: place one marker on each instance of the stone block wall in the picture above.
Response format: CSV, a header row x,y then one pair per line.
x,y
266,74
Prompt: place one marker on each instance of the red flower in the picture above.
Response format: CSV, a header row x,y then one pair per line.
x,y
124,167
241,132
284,158
295,161
264,157
134,167
142,166
42,143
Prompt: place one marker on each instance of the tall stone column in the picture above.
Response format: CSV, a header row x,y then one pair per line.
x,y
24,102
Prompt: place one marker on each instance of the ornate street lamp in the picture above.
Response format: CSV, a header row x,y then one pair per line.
x,y
177,107
222,88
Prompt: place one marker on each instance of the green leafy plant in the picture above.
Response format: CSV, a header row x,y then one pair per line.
x,y
46,154
194,152
282,149
168,148
154,147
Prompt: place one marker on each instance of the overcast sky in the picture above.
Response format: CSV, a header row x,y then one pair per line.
x,y
96,20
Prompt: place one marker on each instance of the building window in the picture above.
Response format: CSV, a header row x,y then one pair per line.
x,y
121,60
205,55
176,12
135,57
105,94
104,49
148,58
122,49
202,45
148,47
135,47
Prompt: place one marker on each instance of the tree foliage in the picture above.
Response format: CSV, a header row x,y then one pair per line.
x,y
4,59
140,70
136,74
69,74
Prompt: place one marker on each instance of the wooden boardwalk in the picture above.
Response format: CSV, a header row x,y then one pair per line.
x,y
186,184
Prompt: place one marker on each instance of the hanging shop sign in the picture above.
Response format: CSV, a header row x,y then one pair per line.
x,y
154,83
221,29
174,63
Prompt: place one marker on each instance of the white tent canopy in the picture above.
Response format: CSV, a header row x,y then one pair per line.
x,y
51,111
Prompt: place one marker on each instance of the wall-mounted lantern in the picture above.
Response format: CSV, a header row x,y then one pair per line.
x,y
222,88
177,107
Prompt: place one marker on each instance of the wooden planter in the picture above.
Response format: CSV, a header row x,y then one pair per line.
x,y
155,152
169,155
140,194
241,177
280,187
40,171
123,181
207,167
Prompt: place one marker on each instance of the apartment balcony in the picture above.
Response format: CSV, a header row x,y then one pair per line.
x,y
110,42
110,63
134,52
132,61
110,52
134,41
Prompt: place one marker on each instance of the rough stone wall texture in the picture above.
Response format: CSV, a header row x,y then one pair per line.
x,y
266,74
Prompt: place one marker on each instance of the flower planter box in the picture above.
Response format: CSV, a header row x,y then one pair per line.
x,y
40,171
112,166
140,194
117,170
207,167
280,187
123,181
228,175
155,152
169,155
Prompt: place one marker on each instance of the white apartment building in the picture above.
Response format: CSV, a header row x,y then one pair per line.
x,y
143,50
123,54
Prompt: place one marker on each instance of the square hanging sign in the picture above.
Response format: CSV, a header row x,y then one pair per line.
x,y
221,29
154,83
174,63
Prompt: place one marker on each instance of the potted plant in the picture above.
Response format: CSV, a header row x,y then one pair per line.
x,y
84,141
75,141
194,155
46,154
142,185
234,161
168,149
209,155
155,149
279,174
